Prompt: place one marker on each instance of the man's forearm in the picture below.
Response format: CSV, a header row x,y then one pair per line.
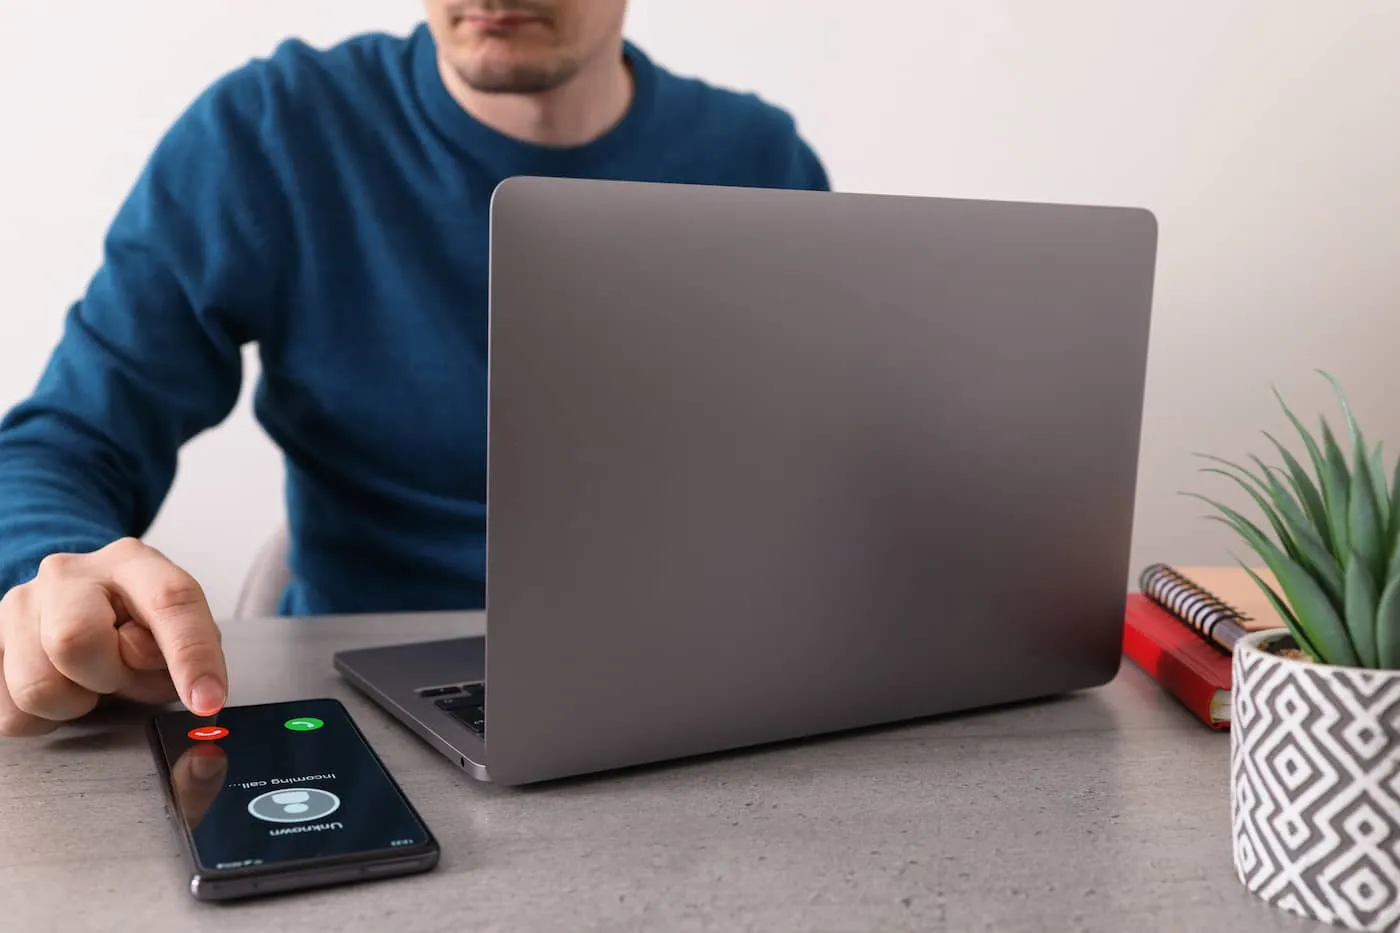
x,y
50,502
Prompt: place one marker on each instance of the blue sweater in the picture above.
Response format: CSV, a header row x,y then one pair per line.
x,y
330,206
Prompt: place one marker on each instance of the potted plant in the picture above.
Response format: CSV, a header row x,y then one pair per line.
x,y
1315,736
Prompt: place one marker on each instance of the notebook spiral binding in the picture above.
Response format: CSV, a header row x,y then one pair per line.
x,y
1201,610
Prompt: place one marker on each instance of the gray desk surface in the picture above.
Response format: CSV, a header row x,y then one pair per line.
x,y
1107,810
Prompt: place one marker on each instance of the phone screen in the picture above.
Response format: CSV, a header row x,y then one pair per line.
x,y
280,783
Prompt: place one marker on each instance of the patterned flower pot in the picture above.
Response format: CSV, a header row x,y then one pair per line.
x,y
1315,786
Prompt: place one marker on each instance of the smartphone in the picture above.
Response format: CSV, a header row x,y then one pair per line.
x,y
279,797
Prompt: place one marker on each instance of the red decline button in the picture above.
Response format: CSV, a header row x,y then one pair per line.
x,y
207,733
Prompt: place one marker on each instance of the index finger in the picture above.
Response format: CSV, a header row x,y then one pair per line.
x,y
171,604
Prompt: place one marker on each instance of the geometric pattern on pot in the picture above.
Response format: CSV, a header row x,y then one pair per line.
x,y
1315,787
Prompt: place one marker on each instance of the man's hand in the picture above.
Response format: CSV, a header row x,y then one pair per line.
x,y
123,620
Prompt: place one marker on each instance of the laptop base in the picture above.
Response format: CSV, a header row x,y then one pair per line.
x,y
411,682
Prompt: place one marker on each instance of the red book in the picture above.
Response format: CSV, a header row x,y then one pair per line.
x,y
1172,653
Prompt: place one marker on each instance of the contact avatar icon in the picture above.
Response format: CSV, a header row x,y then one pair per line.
x,y
294,805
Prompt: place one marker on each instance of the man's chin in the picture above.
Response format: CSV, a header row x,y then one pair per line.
x,y
512,78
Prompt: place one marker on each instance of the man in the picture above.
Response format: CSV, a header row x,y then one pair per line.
x,y
332,207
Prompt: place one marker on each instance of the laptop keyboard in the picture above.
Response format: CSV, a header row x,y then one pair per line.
x,y
465,703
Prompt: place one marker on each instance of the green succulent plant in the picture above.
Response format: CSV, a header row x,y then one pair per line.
x,y
1335,548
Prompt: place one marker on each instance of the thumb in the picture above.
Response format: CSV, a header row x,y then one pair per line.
x,y
138,647
170,604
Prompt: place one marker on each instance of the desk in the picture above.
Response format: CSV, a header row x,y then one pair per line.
x,y
1102,811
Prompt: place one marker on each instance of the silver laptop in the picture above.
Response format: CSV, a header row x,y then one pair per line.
x,y
769,464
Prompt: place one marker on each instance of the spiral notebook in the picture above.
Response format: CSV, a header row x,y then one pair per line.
x,y
1222,604
1181,628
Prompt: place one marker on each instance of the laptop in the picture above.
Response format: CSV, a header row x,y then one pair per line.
x,y
767,465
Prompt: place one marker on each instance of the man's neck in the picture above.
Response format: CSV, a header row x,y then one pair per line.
x,y
576,112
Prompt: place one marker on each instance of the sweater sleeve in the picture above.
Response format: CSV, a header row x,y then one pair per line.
x,y
149,355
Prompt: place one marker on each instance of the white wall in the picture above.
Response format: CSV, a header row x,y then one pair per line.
x,y
1262,132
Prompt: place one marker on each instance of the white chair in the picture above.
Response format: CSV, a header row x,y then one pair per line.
x,y
266,580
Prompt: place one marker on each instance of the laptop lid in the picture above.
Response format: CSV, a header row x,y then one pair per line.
x,y
766,464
